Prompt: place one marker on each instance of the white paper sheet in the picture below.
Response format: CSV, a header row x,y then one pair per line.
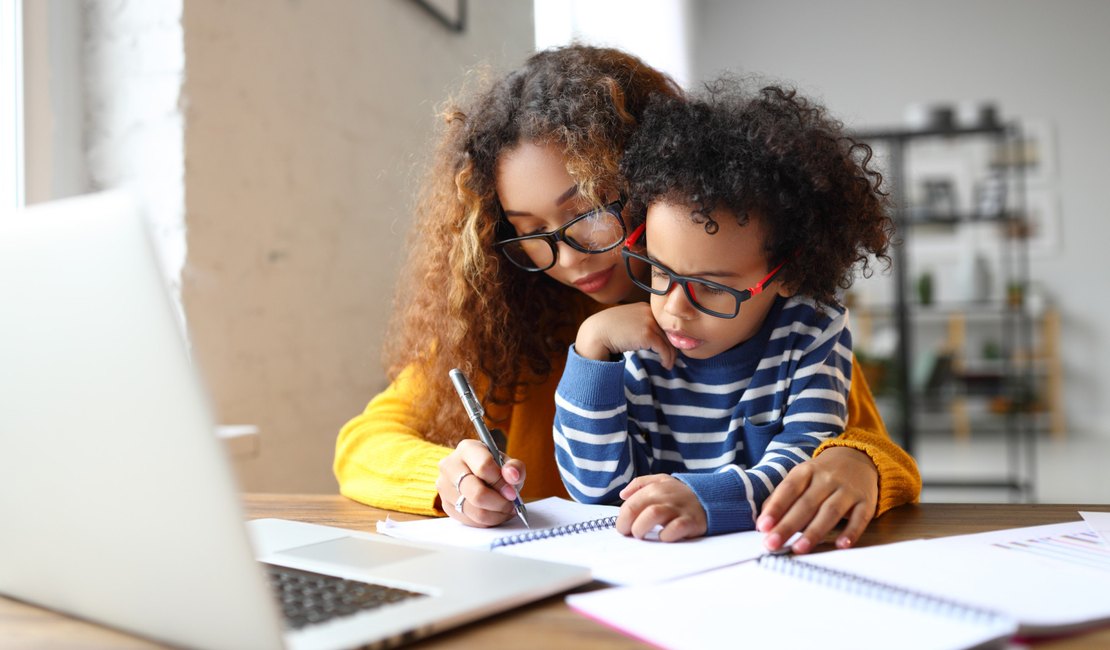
x,y
1099,522
749,606
611,556
1059,581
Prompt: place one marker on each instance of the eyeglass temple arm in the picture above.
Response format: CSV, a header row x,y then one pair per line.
x,y
762,284
631,241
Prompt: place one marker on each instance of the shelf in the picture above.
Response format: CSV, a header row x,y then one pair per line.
x,y
942,311
914,134
937,374
956,219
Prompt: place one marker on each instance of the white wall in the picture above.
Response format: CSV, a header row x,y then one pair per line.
x,y
132,67
305,125
1045,60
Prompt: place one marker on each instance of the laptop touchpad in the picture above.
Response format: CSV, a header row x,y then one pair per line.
x,y
354,552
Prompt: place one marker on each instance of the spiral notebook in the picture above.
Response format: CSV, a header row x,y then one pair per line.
x,y
782,602
953,592
575,533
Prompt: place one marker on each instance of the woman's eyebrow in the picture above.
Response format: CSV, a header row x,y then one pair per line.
x,y
566,196
563,198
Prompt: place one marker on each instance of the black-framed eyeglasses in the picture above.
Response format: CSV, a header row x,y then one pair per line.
x,y
707,297
599,230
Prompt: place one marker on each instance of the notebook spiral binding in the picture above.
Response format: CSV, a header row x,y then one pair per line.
x,y
544,533
859,585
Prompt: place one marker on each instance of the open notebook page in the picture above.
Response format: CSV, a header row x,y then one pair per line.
x,y
751,606
1052,578
612,557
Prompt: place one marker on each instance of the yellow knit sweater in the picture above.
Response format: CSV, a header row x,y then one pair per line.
x,y
382,460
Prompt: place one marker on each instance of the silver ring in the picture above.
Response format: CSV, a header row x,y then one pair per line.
x,y
459,480
459,504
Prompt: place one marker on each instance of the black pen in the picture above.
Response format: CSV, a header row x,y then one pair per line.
x,y
475,411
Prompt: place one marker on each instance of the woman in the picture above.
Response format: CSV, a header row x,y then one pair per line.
x,y
537,154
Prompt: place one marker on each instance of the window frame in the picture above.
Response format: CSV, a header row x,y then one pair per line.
x,y
12,159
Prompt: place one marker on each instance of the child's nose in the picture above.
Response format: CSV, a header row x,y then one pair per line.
x,y
677,304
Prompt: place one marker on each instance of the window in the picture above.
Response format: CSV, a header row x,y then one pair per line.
x,y
11,104
654,30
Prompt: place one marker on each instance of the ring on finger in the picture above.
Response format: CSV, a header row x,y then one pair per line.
x,y
461,476
459,504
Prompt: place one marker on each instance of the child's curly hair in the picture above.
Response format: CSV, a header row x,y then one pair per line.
x,y
458,303
775,155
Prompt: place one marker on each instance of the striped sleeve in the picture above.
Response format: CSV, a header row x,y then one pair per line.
x,y
596,448
816,390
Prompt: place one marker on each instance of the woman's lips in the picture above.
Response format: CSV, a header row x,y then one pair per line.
x,y
682,341
594,282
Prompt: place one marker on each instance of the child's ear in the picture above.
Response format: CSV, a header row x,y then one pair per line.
x,y
783,290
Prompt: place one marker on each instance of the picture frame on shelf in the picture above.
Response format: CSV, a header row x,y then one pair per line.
x,y
990,197
938,199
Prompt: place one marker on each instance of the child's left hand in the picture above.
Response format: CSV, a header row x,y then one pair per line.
x,y
661,500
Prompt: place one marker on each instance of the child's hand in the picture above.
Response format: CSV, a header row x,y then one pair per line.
x,y
623,328
661,500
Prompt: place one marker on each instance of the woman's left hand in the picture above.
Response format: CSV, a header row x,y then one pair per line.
x,y
840,483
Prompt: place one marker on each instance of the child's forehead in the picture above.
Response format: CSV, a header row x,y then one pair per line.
x,y
679,238
693,218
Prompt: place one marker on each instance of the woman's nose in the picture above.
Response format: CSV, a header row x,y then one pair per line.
x,y
567,256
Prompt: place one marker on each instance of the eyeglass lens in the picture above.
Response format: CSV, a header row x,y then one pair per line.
x,y
706,296
596,231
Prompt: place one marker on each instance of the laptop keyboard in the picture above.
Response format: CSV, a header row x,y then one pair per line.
x,y
308,598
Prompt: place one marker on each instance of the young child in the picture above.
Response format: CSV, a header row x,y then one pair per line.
x,y
758,208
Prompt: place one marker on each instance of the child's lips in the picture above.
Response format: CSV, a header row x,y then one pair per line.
x,y
682,341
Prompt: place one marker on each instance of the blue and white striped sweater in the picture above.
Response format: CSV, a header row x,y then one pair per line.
x,y
730,427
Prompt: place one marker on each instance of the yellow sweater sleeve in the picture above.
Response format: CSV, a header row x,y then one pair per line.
x,y
381,458
899,479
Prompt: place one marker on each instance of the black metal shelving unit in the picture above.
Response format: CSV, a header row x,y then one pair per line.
x,y
1016,323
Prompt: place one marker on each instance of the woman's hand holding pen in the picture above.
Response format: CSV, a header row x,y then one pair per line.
x,y
487,490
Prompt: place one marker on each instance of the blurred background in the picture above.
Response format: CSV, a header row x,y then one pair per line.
x,y
278,145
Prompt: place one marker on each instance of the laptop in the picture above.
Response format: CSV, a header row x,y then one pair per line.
x,y
117,504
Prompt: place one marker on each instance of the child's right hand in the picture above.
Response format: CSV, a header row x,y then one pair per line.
x,y
661,504
620,329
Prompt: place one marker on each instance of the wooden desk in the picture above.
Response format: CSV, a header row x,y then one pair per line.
x,y
548,623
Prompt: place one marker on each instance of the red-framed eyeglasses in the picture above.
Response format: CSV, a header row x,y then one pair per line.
x,y
706,296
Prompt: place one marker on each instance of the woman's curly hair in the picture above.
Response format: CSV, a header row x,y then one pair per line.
x,y
775,155
458,303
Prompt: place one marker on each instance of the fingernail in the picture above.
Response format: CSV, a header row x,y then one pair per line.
x,y
508,492
764,523
773,541
843,542
803,545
